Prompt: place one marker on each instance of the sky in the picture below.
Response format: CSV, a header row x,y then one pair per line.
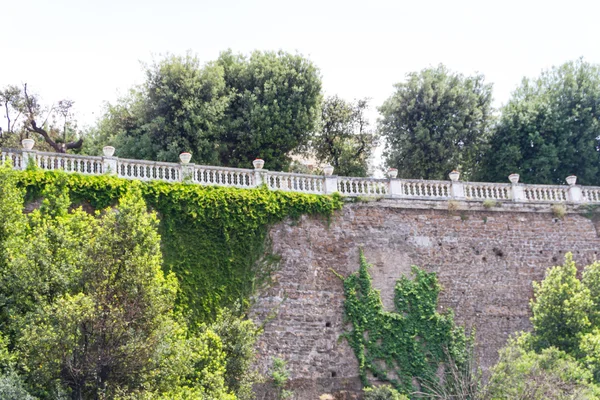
x,y
92,52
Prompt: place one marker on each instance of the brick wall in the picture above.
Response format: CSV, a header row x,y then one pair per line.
x,y
485,259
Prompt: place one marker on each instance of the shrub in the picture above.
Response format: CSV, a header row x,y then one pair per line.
x,y
559,210
383,392
489,203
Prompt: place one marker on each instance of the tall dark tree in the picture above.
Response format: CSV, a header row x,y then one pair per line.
x,y
550,128
344,139
227,112
435,122
275,103
179,108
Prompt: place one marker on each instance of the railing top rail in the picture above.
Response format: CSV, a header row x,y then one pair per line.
x,y
146,162
293,174
7,150
537,186
487,183
356,178
68,155
222,168
424,181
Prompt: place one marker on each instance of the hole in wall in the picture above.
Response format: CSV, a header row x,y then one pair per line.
x,y
327,324
498,252
554,259
541,252
484,259
333,374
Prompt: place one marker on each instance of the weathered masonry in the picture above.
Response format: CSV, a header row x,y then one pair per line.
x,y
485,258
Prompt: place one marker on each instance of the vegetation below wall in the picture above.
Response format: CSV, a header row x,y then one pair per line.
x,y
212,238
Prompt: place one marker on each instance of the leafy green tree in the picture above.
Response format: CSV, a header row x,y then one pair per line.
x,y
435,122
179,108
561,308
226,112
238,336
550,374
275,103
88,312
344,139
550,128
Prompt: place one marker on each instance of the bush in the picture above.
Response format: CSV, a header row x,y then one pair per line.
x,y
384,392
551,374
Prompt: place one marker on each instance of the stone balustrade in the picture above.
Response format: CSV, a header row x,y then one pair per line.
x,y
304,183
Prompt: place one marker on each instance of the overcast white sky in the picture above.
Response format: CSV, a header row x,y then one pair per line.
x,y
90,51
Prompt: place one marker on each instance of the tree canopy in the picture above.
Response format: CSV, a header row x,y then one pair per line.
x,y
227,112
550,128
435,122
344,139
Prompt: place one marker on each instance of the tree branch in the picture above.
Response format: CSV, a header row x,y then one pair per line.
x,y
32,126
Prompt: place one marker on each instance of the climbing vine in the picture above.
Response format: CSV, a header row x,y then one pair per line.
x,y
213,238
405,346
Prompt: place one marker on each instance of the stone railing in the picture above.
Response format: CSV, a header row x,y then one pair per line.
x,y
319,184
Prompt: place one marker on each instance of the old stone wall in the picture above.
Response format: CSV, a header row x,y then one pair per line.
x,y
486,260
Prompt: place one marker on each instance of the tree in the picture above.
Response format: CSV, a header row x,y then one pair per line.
x,y
275,103
550,374
11,101
226,112
87,311
344,139
435,122
550,128
179,108
50,132
561,308
20,105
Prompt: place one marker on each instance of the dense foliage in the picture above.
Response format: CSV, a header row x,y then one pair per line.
x,y
559,359
550,128
405,346
435,122
212,238
549,374
383,392
226,112
86,311
344,139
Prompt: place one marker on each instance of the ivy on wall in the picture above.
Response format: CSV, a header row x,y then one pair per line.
x,y
212,237
405,346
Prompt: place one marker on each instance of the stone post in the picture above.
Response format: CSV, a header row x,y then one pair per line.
x,y
109,165
259,179
187,172
331,184
395,187
27,157
575,194
457,190
517,193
